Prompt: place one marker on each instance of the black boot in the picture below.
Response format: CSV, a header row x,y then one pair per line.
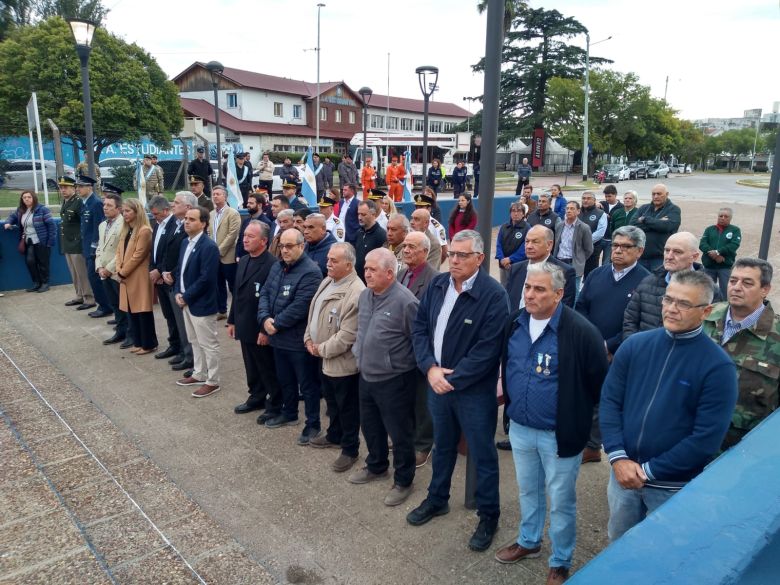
x,y
44,287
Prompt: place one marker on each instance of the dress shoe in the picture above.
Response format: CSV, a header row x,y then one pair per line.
x,y
111,322
308,434
146,351
363,475
248,406
44,287
266,416
512,553
322,442
115,339
483,535
100,313
397,495
426,512
221,316
504,445
127,343
177,359
181,366
205,390
166,353
281,421
188,381
590,455
421,458
557,575
33,288
85,306
343,463
74,302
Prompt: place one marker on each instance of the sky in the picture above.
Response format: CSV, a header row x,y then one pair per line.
x,y
717,54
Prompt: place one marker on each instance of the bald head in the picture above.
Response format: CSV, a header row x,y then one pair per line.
x,y
681,251
660,195
538,243
421,218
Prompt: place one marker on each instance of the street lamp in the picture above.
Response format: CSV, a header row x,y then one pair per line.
x,y
320,6
216,69
427,88
83,30
587,97
365,93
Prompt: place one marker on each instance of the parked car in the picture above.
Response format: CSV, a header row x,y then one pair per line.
x,y
107,166
19,174
616,173
637,170
658,170
682,168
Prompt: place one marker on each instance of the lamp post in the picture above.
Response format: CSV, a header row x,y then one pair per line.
x,y
365,93
755,141
320,6
83,30
216,69
427,88
587,97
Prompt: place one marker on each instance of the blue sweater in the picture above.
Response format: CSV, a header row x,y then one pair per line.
x,y
602,301
667,403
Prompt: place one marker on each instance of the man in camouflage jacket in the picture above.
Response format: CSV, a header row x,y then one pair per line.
x,y
748,329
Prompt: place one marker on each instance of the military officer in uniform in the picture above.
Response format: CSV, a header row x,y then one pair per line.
x,y
332,223
153,176
423,201
201,167
198,188
91,218
70,234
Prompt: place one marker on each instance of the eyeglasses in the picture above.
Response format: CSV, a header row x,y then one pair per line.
x,y
622,246
680,304
460,255
288,246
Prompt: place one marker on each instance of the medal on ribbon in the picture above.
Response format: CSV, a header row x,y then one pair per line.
x,y
539,358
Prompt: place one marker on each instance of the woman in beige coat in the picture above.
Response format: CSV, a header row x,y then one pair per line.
x,y
132,269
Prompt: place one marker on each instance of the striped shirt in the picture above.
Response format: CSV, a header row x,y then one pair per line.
x,y
731,327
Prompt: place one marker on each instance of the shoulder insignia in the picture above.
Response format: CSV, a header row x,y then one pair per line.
x,y
340,233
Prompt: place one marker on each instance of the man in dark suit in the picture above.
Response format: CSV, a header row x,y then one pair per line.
x,y
610,205
183,202
164,227
91,218
348,213
251,274
538,247
417,275
196,293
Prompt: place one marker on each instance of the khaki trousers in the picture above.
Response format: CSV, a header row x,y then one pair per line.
x,y
78,272
202,334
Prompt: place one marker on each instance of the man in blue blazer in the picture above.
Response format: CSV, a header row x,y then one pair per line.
x,y
195,288
348,213
91,218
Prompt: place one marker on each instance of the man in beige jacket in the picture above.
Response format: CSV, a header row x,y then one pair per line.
x,y
105,258
224,225
330,333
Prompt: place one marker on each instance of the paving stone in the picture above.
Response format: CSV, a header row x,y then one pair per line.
x,y
26,498
232,567
164,566
79,568
96,501
56,448
74,473
123,538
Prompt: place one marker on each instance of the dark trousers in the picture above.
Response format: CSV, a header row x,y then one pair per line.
x,y
111,287
343,400
261,379
226,275
387,408
473,413
593,260
652,264
720,276
296,369
164,297
184,342
142,325
423,425
36,256
97,289
521,182
268,186
594,442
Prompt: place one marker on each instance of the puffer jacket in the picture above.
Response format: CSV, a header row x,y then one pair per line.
x,y
285,297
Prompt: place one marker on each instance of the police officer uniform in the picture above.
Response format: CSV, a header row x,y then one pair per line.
x,y
204,199
70,244
376,195
435,226
201,168
333,224
91,218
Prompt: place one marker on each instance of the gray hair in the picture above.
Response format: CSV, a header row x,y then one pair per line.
x,y
634,194
763,266
405,225
219,188
160,203
697,278
265,230
633,233
555,272
591,193
287,213
731,211
318,216
549,235
188,197
385,258
517,206
348,249
690,241
298,235
477,244
425,242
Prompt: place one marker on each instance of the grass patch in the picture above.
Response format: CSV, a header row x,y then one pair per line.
x,y
758,183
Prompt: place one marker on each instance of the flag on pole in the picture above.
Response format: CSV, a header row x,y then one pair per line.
x,y
309,185
409,178
140,181
234,199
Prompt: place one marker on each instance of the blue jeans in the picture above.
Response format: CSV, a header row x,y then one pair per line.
x,y
627,508
474,412
539,469
294,369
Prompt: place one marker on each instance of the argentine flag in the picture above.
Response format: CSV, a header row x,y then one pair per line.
x,y
234,199
309,185
409,179
140,181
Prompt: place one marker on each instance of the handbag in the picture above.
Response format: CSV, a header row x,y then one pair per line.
x,y
22,246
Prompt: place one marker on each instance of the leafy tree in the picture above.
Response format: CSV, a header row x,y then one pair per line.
x,y
736,142
511,7
87,9
535,51
768,138
131,95
14,13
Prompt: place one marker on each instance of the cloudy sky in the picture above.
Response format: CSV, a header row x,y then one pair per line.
x,y
717,54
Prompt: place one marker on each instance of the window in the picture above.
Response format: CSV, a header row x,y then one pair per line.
x,y
419,126
392,123
232,100
278,109
352,117
377,121
406,124
448,126
338,116
297,112
435,127
323,114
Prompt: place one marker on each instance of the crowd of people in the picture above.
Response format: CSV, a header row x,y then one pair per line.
x,y
603,332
